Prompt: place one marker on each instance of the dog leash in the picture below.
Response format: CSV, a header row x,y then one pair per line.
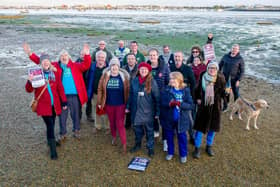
x,y
250,105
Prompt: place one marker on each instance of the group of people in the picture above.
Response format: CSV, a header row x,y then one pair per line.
x,y
124,90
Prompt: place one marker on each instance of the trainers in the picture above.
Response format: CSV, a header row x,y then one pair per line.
x,y
77,135
183,159
168,157
165,146
61,138
156,134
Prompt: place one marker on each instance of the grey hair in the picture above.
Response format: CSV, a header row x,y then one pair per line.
x,y
99,53
63,51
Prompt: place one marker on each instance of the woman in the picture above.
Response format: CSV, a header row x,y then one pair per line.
x,y
210,90
113,90
49,103
198,67
178,99
143,103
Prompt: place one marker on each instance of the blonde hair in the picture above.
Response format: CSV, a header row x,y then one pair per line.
x,y
179,77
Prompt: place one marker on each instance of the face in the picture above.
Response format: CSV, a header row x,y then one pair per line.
x,y
100,60
195,52
234,51
133,47
121,44
64,58
46,64
212,70
178,59
102,46
115,69
153,56
131,60
166,50
173,82
143,71
196,61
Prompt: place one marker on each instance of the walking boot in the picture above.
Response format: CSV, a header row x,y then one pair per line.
x,y
196,153
53,149
209,150
136,148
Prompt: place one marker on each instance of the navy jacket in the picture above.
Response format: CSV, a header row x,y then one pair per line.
x,y
149,102
171,59
232,66
185,120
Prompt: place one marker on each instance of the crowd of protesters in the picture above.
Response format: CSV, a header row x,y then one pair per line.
x,y
125,91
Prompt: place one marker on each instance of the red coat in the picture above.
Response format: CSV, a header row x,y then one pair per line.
x,y
44,107
77,70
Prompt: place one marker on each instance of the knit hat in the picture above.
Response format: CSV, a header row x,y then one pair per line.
x,y
146,65
114,61
44,56
213,63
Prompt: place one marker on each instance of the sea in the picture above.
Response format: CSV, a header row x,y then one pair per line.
x,y
258,33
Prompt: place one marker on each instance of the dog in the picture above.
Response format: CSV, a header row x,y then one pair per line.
x,y
251,109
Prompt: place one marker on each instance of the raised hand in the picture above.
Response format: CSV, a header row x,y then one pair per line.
x,y
27,49
210,35
86,49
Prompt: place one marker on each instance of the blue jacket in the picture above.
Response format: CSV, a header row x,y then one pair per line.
x,y
149,102
185,121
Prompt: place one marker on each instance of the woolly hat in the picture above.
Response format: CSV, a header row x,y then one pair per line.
x,y
44,56
114,61
213,63
146,65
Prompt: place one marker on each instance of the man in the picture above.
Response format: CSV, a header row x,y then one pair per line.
x,y
189,79
102,46
121,51
232,66
131,68
134,49
167,56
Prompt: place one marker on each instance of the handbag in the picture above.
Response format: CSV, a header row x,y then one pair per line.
x,y
34,102
100,111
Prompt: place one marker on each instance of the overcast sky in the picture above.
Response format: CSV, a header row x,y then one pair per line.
x,y
141,2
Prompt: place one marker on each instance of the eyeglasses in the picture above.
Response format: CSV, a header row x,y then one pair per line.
x,y
195,51
212,68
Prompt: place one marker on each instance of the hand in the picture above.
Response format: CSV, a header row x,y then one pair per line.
x,y
64,108
237,84
99,106
127,111
210,35
156,117
178,103
27,49
172,103
198,101
86,49
30,77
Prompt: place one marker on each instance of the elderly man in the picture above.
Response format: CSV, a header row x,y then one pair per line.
x,y
102,46
94,75
121,51
232,66
134,49
167,56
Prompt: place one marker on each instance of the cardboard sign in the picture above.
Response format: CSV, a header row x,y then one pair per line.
x,y
209,52
38,76
139,163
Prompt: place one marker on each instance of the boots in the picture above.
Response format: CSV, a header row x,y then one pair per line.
x,y
53,149
209,150
196,153
136,147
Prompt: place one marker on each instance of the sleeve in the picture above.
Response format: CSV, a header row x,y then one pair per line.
x,y
100,90
28,87
83,66
187,103
198,94
167,72
191,78
90,81
156,96
241,69
129,101
221,64
125,60
60,90
34,58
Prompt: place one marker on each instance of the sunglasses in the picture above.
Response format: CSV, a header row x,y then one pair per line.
x,y
195,51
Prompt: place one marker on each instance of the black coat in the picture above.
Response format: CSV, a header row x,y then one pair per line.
x,y
209,117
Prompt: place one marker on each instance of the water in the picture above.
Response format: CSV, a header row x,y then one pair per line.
x,y
259,43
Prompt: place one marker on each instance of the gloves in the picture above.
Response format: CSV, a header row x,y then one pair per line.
x,y
174,103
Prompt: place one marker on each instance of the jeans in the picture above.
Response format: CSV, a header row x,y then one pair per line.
x,y
209,138
140,129
182,142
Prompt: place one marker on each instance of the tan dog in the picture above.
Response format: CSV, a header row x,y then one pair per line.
x,y
252,110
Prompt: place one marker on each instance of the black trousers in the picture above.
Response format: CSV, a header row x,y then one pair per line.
x,y
50,122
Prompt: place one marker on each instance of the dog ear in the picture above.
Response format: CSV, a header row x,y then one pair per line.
x,y
257,104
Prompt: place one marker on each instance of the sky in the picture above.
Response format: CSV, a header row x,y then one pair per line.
x,y
140,2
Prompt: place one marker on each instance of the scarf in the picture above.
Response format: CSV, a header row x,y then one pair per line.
x,y
208,82
49,75
142,80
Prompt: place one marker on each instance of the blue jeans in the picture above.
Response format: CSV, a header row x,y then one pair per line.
x,y
209,138
139,130
73,104
182,142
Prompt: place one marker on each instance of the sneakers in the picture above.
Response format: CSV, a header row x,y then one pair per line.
x,y
196,153
165,146
156,134
77,135
168,157
183,159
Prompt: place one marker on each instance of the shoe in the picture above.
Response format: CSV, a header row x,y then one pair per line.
x,y
136,148
196,153
90,119
168,157
183,159
151,152
108,131
209,150
61,138
77,135
53,152
165,146
156,134
114,141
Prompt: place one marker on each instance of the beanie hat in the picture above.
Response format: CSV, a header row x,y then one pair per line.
x,y
213,63
114,61
146,65
44,56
